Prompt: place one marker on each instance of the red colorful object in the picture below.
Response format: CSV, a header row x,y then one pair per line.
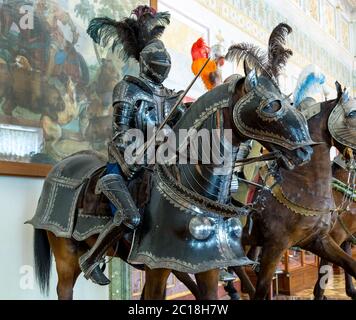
x,y
200,53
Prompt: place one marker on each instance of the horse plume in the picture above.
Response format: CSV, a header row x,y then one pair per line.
x,y
269,63
133,33
278,55
310,81
253,55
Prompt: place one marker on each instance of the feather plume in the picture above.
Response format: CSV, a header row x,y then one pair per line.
x,y
200,49
254,56
310,81
133,33
278,55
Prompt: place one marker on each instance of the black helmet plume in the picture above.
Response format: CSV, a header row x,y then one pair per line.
x,y
133,33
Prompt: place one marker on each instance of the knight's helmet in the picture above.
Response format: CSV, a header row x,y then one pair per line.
x,y
155,61
137,37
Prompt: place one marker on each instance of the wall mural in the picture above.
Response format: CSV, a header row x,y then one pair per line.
x,y
54,82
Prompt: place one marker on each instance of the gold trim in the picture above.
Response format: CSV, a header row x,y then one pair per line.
x,y
277,192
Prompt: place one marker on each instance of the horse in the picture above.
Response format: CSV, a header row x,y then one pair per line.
x,y
343,229
32,42
289,134
298,211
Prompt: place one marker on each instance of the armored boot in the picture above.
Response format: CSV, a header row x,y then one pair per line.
x,y
114,187
90,261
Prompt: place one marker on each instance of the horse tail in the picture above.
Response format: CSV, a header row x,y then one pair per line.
x,y
43,260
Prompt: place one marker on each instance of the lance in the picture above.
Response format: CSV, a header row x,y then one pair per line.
x,y
147,144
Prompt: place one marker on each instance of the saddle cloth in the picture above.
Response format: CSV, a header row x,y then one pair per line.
x,y
68,205
58,208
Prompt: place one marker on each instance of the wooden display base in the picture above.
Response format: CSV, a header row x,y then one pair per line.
x,y
292,282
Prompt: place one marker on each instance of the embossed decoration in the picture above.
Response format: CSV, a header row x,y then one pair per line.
x,y
268,127
342,122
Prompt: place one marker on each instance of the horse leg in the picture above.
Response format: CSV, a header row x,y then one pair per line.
x,y
245,281
155,286
271,255
188,282
325,247
319,289
349,286
66,253
208,284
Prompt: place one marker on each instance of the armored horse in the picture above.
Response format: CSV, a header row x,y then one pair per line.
x,y
344,228
73,215
299,208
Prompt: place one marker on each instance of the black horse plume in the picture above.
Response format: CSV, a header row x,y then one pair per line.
x,y
277,54
254,56
133,33
269,63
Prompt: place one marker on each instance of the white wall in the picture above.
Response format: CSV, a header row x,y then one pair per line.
x,y
18,200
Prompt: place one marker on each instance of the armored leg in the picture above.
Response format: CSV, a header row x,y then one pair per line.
x,y
90,261
114,188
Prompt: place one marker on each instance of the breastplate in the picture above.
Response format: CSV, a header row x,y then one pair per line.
x,y
152,113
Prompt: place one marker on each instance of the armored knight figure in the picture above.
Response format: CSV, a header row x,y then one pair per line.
x,y
138,102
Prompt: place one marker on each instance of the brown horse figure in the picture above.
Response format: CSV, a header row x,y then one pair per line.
x,y
299,210
344,226
290,135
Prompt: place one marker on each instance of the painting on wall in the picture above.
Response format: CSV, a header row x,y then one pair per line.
x,y
55,83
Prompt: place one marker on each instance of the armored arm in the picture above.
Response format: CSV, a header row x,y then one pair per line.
x,y
123,115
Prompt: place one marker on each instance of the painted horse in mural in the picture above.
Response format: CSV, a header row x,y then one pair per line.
x,y
43,45
70,230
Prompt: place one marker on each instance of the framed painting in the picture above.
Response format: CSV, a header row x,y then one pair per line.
x,y
55,83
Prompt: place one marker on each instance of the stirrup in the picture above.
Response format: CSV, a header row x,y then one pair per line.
x,y
93,272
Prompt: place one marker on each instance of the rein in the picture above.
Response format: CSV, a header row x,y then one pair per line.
x,y
266,157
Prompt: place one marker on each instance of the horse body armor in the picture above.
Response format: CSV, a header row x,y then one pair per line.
x,y
188,225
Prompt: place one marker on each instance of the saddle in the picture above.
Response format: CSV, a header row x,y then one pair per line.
x,y
69,206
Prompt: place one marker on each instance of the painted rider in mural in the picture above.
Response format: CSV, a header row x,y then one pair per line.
x,y
52,14
138,102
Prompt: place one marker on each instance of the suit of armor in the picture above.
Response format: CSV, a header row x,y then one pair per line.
x,y
138,103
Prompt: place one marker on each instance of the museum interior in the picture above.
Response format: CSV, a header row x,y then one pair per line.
x,y
58,85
